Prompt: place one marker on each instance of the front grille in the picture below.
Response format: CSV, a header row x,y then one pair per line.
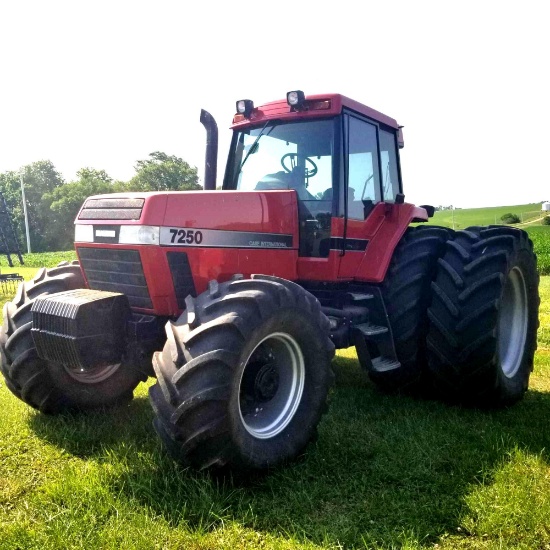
x,y
112,209
116,270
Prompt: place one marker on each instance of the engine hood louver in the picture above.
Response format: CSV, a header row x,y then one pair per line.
x,y
112,209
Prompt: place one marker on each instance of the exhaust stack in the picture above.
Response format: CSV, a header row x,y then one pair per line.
x,y
211,163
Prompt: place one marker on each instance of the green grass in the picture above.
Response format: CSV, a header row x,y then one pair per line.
x,y
530,213
32,262
37,259
386,472
462,218
540,236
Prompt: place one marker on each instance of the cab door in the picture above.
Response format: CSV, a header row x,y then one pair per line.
x,y
371,186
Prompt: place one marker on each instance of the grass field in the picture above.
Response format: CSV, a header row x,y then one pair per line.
x,y
529,213
386,472
462,218
37,259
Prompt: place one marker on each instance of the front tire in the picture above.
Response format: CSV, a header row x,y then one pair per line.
x,y
484,316
48,386
243,378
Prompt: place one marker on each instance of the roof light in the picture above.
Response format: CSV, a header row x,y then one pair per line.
x,y
296,99
245,107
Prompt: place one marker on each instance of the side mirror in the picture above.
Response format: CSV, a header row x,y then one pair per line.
x,y
430,210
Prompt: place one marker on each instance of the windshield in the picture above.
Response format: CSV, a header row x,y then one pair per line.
x,y
295,155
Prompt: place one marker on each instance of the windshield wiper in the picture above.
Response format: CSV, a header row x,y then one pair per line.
x,y
254,146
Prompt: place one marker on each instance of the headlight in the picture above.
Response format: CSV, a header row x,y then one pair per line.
x,y
139,234
83,233
245,107
296,99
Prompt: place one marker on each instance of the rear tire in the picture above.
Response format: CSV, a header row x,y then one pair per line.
x,y
406,293
243,378
484,316
44,385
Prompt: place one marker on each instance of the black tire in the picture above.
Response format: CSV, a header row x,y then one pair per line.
x,y
406,292
44,385
243,378
484,316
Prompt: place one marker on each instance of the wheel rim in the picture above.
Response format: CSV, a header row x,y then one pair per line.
x,y
94,375
513,323
271,385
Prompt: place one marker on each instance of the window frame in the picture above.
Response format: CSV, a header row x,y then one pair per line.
x,y
348,114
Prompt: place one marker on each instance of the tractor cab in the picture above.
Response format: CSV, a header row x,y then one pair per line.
x,y
340,157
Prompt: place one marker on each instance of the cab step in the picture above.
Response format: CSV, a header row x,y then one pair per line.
x,y
360,296
369,329
384,364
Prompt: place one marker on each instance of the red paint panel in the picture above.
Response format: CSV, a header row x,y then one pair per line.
x,y
376,261
222,263
262,211
319,269
323,269
357,229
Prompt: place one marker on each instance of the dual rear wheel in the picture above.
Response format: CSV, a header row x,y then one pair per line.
x,y
484,316
463,309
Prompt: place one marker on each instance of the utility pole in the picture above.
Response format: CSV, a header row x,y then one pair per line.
x,y
25,212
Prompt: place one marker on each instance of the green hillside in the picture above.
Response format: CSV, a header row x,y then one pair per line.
x,y
462,218
530,214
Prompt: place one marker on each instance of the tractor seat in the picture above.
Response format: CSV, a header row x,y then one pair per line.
x,y
271,182
284,180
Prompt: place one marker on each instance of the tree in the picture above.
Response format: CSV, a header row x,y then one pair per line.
x,y
65,201
510,218
39,178
52,204
10,187
161,172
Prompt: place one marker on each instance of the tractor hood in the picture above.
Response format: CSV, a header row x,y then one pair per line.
x,y
255,212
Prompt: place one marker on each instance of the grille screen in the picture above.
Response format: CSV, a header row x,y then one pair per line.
x,y
116,271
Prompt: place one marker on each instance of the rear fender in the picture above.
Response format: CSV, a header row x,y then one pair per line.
x,y
380,249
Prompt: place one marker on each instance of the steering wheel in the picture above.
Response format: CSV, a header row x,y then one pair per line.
x,y
293,156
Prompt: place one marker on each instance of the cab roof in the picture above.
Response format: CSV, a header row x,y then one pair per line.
x,y
316,105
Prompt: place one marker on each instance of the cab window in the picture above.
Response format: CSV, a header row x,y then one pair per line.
x,y
390,172
295,155
362,166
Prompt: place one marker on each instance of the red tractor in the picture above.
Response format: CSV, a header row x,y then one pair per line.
x,y
248,290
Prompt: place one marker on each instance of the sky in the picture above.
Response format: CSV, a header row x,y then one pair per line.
x,y
102,84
